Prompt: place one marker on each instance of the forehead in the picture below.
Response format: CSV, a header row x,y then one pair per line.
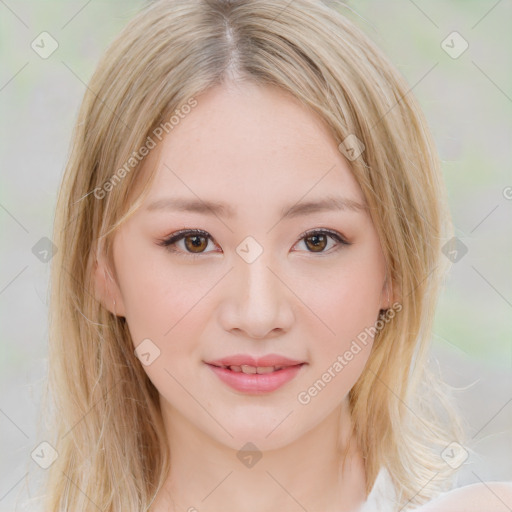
x,y
251,146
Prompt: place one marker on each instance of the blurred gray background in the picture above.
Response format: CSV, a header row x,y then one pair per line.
x,y
466,94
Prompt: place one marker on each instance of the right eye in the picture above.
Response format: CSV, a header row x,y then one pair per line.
x,y
195,241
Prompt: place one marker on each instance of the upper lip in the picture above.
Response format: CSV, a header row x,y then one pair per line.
x,y
245,359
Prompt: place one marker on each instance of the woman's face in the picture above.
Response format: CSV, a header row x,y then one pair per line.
x,y
255,282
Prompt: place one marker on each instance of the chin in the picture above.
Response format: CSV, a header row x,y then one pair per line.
x,y
264,436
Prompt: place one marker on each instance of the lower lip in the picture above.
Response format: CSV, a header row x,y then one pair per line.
x,y
254,382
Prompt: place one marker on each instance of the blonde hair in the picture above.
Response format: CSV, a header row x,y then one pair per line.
x,y
109,433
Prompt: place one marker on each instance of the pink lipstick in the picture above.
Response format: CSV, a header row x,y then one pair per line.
x,y
249,374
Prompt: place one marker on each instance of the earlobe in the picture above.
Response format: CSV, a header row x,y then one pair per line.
x,y
106,289
388,297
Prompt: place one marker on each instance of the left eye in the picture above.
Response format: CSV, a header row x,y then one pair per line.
x,y
196,241
317,240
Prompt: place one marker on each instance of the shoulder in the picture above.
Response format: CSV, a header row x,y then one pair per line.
x,y
481,497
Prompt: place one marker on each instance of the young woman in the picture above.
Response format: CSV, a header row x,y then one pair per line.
x,y
250,227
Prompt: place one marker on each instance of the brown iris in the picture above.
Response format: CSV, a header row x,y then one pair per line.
x,y
196,243
318,242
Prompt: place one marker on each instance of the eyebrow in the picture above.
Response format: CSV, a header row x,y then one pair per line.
x,y
330,203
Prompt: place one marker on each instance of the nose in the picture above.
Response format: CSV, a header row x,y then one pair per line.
x,y
257,302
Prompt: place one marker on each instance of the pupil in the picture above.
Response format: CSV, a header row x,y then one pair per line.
x,y
195,241
317,244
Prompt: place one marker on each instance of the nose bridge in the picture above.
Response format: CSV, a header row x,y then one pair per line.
x,y
259,289
259,302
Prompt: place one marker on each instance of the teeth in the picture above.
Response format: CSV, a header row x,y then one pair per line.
x,y
245,368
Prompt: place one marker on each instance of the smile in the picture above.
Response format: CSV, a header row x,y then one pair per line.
x,y
245,368
255,379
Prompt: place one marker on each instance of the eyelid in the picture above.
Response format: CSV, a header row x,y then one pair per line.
x,y
177,236
170,241
335,234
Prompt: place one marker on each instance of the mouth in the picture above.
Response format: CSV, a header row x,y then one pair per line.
x,y
248,369
255,380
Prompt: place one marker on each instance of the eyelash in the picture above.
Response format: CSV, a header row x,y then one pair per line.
x,y
179,235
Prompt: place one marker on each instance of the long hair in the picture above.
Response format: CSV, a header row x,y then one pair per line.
x,y
112,448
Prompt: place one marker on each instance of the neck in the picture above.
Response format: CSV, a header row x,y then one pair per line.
x,y
306,474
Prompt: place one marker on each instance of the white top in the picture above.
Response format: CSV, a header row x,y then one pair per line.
x,y
382,497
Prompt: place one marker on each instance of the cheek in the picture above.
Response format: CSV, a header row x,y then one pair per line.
x,y
156,293
348,305
163,304
345,300
164,314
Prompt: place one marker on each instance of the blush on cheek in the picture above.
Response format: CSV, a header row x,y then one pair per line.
x,y
346,313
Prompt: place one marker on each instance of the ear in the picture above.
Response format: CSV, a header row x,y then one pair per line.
x,y
388,295
106,288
